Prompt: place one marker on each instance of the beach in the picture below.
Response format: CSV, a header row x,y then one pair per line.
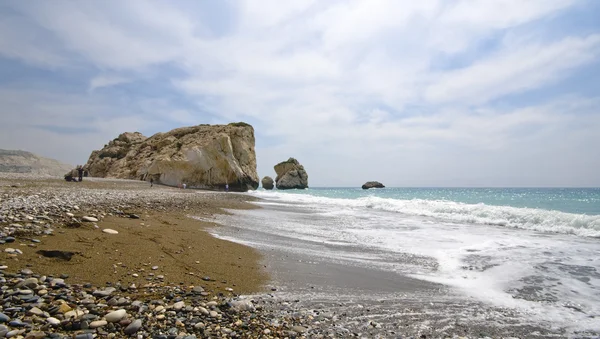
x,y
138,251
187,263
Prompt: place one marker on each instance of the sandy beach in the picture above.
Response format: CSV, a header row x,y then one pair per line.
x,y
162,236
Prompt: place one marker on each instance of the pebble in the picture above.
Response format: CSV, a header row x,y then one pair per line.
x,y
298,329
53,321
104,292
115,316
98,323
178,305
110,231
89,219
36,311
75,314
133,327
4,318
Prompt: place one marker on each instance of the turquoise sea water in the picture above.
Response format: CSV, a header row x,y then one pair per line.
x,y
569,200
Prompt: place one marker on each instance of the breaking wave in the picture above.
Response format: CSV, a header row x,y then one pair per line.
x,y
450,211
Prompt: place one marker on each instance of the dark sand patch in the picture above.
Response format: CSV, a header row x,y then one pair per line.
x,y
163,236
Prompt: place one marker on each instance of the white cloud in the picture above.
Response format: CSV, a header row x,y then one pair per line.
x,y
355,81
514,69
106,81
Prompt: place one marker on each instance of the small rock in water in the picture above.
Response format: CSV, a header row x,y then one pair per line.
x,y
155,267
9,239
134,216
110,231
89,219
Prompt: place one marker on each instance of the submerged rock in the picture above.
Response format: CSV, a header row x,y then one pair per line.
x,y
290,175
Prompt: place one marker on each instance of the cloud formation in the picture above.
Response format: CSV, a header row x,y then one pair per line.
x,y
436,93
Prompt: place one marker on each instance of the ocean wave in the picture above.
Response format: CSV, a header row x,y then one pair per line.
x,y
451,211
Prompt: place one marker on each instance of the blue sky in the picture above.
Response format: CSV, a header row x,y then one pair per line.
x,y
410,93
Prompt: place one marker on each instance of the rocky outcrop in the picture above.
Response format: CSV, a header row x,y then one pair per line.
x,y
26,162
268,183
290,175
372,184
203,156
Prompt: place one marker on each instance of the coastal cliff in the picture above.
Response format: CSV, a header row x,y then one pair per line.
x,y
203,156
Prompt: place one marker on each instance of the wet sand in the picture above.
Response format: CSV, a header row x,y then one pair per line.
x,y
164,236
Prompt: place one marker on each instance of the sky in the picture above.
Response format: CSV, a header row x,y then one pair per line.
x,y
410,93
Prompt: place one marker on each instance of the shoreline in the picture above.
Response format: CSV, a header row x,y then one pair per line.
x,y
351,289
160,258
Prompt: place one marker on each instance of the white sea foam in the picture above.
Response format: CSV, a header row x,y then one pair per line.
x,y
450,211
551,277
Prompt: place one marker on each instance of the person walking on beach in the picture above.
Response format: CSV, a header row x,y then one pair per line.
x,y
151,182
80,172
184,185
226,187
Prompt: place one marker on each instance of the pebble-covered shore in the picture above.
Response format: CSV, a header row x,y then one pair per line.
x,y
35,305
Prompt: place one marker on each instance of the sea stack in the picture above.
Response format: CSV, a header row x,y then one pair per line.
x,y
290,175
267,183
372,184
203,156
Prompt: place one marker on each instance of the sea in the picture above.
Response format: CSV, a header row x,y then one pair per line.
x,y
513,261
